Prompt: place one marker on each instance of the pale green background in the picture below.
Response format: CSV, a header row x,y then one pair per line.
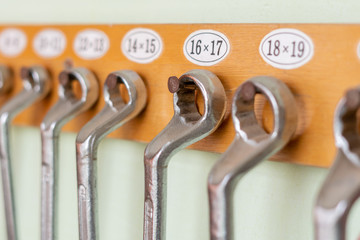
x,y
273,202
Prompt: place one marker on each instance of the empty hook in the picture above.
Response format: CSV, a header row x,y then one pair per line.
x,y
342,185
36,85
186,127
115,113
67,107
252,144
6,80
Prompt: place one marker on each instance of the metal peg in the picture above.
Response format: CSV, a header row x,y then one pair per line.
x,y
67,107
186,127
36,85
6,80
252,145
342,185
115,113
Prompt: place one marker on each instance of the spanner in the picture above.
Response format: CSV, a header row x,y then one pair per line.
x,y
342,185
252,145
36,85
186,127
67,107
115,113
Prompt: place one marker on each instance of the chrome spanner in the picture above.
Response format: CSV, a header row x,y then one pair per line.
x,y
115,113
186,127
252,145
342,185
66,108
36,85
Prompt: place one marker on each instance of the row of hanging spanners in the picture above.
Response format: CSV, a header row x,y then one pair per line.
x,y
252,144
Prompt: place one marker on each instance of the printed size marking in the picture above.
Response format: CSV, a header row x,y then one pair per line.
x,y
286,48
206,47
49,43
91,44
142,45
12,42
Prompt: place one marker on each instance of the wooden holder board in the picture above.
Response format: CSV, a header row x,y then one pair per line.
x,y
317,85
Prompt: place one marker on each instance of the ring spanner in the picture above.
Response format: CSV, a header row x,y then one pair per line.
x,y
36,85
186,127
115,113
252,145
342,186
66,108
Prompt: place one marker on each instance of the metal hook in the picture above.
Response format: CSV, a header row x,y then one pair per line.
x,y
252,145
342,185
36,84
186,127
67,107
6,81
115,113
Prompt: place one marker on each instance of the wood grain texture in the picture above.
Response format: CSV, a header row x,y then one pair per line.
x,y
318,85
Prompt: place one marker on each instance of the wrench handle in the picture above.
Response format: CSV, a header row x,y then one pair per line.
x,y
49,181
7,179
155,202
87,193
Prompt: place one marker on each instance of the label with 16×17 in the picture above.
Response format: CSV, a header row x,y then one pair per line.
x,y
206,47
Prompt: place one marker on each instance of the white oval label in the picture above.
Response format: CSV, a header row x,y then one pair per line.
x,y
286,48
142,45
91,44
12,42
206,47
49,43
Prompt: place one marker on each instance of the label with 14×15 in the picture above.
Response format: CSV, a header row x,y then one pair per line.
x,y
142,45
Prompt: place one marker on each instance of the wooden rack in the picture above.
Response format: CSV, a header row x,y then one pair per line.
x,y
318,85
